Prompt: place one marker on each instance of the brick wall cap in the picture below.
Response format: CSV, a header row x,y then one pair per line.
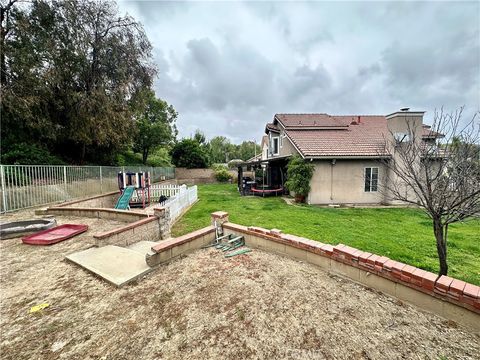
x,y
170,243
443,283
457,286
381,260
219,214
408,269
472,291
121,229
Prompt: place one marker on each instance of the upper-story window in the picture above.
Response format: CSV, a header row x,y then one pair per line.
x,y
371,179
275,144
401,137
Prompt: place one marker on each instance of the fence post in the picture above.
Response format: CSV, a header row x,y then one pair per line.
x,y
101,181
65,181
4,195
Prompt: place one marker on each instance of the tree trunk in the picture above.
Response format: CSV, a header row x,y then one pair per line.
x,y
82,153
145,156
441,237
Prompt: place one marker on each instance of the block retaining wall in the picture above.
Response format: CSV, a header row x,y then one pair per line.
x,y
450,298
99,213
147,229
172,248
99,201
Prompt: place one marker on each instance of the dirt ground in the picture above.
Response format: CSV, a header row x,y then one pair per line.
x,y
203,306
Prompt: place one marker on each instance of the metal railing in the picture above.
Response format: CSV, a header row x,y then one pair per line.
x,y
24,186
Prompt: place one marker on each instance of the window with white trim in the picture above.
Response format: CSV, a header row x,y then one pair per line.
x,y
371,179
275,145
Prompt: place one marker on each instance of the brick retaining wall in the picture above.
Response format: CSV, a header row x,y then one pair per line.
x,y
107,200
445,296
147,229
100,213
174,247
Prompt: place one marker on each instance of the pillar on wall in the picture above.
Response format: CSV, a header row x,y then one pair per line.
x,y
219,217
163,215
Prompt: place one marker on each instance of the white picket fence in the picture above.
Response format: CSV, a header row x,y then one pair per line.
x,y
157,190
181,201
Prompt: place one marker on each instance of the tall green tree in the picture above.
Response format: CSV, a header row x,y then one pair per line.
x,y
188,153
73,73
219,149
155,126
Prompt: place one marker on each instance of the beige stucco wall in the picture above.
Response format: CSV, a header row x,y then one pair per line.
x,y
285,146
343,183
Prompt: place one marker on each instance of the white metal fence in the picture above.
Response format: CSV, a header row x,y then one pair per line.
x,y
24,186
182,200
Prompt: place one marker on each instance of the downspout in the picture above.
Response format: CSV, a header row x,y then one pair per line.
x,y
331,178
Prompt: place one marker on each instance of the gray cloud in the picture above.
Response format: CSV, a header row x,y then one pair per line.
x,y
228,67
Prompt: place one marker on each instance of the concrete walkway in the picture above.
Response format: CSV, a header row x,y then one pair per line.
x,y
115,264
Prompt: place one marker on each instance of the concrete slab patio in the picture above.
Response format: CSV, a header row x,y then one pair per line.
x,y
115,264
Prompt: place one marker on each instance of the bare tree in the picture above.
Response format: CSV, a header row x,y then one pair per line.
x,y
438,169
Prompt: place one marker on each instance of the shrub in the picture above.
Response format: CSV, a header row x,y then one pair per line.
x,y
159,158
128,158
299,173
29,154
222,174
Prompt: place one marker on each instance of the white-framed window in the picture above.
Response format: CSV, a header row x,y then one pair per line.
x,y
401,137
371,179
275,144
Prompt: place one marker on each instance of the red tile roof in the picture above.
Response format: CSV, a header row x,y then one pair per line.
x,y
311,135
427,133
308,120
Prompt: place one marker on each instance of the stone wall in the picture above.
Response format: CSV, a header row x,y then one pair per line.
x,y
198,176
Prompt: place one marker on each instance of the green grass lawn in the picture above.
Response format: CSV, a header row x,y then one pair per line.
x,y
401,234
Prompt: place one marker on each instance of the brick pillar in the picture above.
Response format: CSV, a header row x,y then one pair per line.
x,y
220,217
163,215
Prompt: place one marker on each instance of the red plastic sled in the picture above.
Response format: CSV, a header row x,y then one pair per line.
x,y
54,235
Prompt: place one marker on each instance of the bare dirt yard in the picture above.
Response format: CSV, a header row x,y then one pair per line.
x,y
203,306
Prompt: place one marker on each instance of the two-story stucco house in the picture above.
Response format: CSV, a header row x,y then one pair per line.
x,y
345,150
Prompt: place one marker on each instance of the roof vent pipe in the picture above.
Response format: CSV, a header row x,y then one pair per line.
x,y
358,119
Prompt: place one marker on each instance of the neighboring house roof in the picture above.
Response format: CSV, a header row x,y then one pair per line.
x,y
271,127
254,158
323,135
264,141
427,133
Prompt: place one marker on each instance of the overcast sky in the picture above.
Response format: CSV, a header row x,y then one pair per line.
x,y
228,67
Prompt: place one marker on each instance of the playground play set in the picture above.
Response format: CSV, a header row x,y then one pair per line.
x,y
131,184
134,192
